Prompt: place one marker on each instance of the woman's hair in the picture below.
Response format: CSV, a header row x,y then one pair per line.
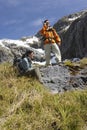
x,y
27,53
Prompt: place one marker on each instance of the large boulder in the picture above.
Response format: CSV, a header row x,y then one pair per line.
x,y
5,54
61,78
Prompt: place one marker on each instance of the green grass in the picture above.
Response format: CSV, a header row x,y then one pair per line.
x,y
82,63
25,104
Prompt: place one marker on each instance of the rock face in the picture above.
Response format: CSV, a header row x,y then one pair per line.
x,y
73,32
56,78
5,55
59,78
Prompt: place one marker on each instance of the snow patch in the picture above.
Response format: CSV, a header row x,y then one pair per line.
x,y
74,18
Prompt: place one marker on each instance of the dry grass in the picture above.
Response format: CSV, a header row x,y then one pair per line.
x,y
26,105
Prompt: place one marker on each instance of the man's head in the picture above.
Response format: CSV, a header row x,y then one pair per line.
x,y
46,22
30,54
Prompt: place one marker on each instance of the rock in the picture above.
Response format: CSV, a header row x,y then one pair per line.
x,y
73,30
59,78
5,55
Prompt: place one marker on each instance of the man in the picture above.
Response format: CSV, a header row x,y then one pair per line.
x,y
50,37
26,67
26,62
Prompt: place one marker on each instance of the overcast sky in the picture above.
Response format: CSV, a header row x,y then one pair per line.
x,y
20,18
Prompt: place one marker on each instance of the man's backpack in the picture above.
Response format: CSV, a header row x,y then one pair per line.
x,y
17,62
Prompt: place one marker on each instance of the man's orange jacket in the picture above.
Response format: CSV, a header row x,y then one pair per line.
x,y
50,35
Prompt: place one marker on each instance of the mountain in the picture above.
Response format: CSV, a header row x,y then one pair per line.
x,y
73,30
11,48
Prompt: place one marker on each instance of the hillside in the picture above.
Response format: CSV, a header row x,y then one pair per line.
x,y
25,104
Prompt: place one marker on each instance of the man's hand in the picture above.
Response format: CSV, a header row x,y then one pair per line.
x,y
50,29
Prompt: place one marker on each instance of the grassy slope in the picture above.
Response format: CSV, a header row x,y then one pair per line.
x,y
26,105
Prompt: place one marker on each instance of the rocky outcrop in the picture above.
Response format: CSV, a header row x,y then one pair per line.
x,y
63,24
5,55
73,31
62,78
75,39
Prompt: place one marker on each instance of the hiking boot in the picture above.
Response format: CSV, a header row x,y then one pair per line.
x,y
60,63
48,65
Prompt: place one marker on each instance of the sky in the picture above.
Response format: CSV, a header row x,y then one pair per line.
x,y
22,18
